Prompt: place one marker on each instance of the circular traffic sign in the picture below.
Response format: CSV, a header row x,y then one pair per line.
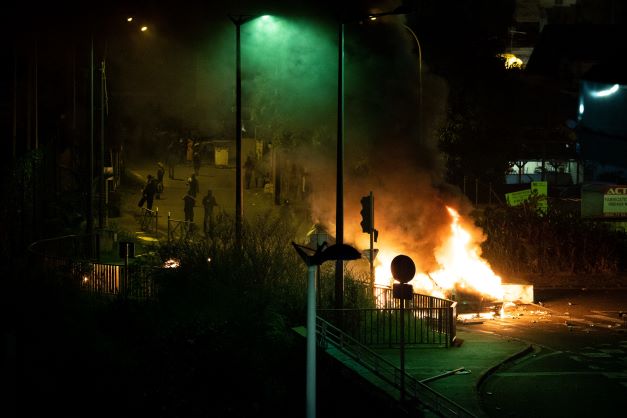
x,y
403,268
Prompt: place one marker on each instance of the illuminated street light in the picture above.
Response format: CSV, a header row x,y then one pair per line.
x,y
238,21
606,92
339,200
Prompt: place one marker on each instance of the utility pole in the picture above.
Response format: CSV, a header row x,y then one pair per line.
x,y
339,195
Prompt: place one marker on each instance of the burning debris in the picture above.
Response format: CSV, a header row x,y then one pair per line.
x,y
461,275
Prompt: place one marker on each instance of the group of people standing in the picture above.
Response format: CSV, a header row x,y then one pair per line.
x,y
154,187
208,202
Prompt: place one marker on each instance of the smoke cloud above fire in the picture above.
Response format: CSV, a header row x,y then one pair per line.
x,y
393,106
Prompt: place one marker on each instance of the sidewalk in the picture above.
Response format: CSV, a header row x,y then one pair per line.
x,y
479,354
220,180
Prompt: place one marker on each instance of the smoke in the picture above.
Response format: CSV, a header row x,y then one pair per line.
x,y
393,106
392,113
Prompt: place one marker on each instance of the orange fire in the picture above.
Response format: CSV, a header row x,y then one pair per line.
x,y
460,267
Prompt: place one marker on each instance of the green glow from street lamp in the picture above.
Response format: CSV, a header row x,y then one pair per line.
x,y
287,78
266,24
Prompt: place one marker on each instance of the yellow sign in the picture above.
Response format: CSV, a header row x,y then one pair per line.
x,y
516,198
615,201
538,188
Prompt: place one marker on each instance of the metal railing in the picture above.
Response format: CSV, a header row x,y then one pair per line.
x,y
428,320
149,220
180,231
416,391
69,257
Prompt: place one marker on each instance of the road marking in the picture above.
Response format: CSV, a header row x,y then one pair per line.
x,y
519,374
597,355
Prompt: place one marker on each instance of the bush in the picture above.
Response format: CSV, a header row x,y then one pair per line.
x,y
520,240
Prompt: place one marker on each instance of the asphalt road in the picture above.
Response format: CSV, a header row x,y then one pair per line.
x,y
579,365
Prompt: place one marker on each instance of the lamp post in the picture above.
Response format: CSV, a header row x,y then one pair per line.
x,y
313,259
339,199
420,117
90,205
238,21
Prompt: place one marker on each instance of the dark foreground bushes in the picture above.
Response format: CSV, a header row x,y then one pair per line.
x,y
218,341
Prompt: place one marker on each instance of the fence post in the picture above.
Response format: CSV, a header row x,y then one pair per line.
x,y
490,193
169,227
156,221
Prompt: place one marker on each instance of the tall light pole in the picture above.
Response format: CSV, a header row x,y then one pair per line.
x,y
313,258
420,114
101,181
339,199
238,21
90,205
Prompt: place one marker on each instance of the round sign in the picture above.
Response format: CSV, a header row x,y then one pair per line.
x,y
403,268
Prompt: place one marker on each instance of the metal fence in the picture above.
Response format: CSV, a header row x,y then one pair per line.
x,y
428,320
414,390
69,257
149,220
181,231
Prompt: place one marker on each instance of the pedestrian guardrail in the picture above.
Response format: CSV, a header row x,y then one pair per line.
x,y
428,320
180,231
414,390
69,256
149,220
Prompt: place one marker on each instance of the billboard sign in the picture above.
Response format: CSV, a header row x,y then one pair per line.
x,y
615,201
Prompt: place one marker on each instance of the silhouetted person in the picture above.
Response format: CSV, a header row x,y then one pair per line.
x,y
148,193
208,202
188,208
190,151
196,158
249,167
160,173
192,182
170,159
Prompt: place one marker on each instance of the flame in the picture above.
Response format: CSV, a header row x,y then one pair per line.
x,y
460,267
171,263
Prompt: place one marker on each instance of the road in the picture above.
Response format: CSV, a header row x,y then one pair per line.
x,y
579,365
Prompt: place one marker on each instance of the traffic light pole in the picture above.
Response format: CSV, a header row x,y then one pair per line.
x,y
372,240
367,226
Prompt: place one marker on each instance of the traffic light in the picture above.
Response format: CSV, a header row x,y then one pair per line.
x,y
367,221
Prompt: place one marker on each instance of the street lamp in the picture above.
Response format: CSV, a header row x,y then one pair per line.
x,y
104,111
420,114
238,21
313,259
339,200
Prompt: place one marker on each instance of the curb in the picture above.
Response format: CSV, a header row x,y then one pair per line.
x,y
527,350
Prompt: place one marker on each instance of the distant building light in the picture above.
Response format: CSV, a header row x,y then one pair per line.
x,y
144,28
581,108
129,19
606,92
